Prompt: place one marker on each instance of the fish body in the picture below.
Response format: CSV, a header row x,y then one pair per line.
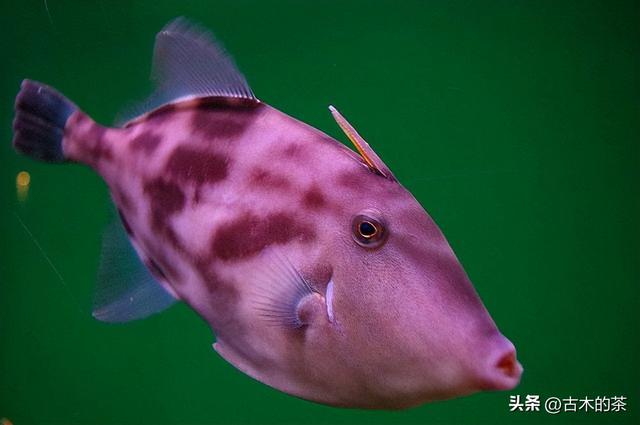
x,y
319,274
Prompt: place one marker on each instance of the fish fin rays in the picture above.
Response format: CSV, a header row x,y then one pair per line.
x,y
368,155
278,289
125,289
188,62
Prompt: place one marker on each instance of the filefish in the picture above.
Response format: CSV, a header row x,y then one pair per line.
x,y
319,274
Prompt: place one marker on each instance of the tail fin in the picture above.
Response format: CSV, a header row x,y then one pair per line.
x,y
41,114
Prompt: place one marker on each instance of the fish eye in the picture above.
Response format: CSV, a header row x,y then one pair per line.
x,y
368,232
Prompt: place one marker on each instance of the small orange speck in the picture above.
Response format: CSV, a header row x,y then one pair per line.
x,y
5,421
23,178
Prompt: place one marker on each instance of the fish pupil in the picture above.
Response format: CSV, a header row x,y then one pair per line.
x,y
367,229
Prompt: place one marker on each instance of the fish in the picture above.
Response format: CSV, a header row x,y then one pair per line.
x,y
318,273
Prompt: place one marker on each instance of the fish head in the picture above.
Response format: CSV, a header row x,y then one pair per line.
x,y
404,310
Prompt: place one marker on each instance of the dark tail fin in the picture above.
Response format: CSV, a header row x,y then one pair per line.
x,y
41,114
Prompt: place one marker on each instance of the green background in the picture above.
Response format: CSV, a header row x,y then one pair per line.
x,y
516,124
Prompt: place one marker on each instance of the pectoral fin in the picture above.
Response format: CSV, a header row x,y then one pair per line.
x,y
281,296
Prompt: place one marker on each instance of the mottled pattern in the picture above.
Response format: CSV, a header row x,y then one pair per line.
x,y
166,199
249,234
222,121
261,179
314,198
227,294
188,164
292,150
146,142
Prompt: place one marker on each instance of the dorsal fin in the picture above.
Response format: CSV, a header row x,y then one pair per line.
x,y
369,157
188,62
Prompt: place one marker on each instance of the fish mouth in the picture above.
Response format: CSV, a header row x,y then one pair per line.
x,y
502,371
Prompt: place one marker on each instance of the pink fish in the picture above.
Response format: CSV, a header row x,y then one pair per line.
x,y
319,274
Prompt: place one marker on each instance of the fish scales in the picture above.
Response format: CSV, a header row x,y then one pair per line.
x,y
319,274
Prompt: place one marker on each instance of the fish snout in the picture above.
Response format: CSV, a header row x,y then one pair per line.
x,y
501,371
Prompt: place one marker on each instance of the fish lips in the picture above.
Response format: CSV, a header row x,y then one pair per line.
x,y
500,369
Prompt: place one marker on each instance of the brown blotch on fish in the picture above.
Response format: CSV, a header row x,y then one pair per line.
x,y
146,142
166,199
187,164
314,198
292,150
249,234
164,113
223,102
264,178
165,195
208,273
226,295
157,116
222,120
